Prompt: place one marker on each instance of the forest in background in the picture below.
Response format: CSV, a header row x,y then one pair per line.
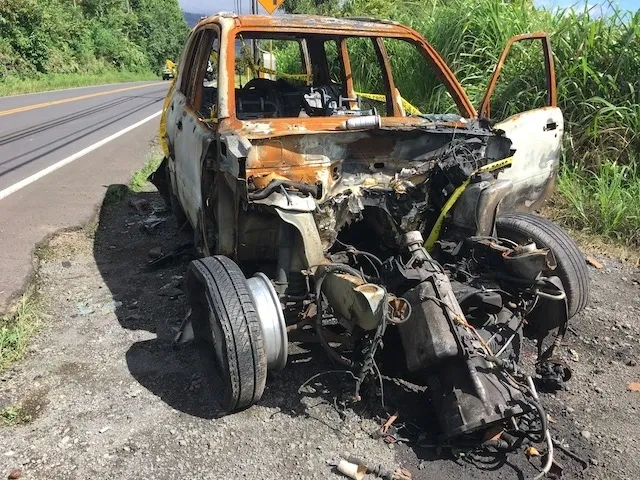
x,y
44,40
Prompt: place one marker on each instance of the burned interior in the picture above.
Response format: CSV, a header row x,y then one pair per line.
x,y
395,239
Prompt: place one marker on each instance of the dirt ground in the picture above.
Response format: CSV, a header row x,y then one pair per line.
x,y
102,392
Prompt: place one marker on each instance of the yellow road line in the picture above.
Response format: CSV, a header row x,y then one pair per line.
x,y
73,99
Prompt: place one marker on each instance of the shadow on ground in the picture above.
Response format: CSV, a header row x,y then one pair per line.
x,y
132,230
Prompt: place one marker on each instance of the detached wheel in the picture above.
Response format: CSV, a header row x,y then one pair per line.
x,y
227,329
571,267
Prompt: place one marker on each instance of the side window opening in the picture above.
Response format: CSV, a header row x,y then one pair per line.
x,y
209,86
521,81
417,82
368,75
190,64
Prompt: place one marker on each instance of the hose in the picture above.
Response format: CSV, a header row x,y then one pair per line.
x,y
275,184
515,333
374,260
545,429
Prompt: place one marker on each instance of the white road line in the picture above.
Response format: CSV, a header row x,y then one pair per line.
x,y
52,168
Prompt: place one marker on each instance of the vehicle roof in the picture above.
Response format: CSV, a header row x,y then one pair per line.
x,y
312,22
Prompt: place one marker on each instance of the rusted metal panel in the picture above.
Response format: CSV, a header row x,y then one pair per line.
x,y
305,21
390,88
346,63
338,161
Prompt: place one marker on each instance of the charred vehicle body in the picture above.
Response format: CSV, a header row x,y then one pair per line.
x,y
354,220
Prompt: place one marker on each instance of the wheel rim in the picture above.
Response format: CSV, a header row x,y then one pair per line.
x,y
272,324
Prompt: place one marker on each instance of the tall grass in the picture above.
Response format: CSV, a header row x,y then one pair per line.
x,y
17,328
604,202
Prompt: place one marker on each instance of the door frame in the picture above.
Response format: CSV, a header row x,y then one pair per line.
x,y
484,111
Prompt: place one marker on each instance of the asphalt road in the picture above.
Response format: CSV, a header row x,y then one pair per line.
x,y
52,176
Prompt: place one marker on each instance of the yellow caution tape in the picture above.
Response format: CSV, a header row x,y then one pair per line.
x,y
437,227
408,108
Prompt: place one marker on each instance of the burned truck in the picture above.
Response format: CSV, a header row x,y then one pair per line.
x,y
329,206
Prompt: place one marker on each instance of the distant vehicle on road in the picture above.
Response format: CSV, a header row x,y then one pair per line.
x,y
169,70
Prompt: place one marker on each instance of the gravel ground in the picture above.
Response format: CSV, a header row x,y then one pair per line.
x,y
102,392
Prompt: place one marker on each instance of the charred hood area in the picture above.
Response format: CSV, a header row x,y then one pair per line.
x,y
393,180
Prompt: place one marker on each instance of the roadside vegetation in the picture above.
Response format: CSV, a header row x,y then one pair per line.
x,y
56,81
16,328
597,59
49,44
139,182
14,415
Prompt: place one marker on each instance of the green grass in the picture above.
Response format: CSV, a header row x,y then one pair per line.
x,y
10,414
17,328
57,81
139,182
13,414
604,201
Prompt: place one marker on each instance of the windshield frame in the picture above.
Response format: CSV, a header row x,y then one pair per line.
x,y
395,115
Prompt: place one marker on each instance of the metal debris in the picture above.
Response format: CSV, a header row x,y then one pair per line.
x,y
355,468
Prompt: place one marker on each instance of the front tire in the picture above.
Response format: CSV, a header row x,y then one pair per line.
x,y
227,330
571,266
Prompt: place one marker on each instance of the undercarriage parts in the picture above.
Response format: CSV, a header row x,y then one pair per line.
x,y
472,394
353,299
468,391
427,336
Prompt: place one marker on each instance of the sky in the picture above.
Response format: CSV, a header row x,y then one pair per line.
x,y
213,6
